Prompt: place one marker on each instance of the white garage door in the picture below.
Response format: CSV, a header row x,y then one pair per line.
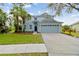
x,y
50,28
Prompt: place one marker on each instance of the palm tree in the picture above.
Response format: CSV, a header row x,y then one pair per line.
x,y
25,16
15,13
59,7
19,11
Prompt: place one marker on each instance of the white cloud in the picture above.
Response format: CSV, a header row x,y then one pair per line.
x,y
28,6
39,12
47,11
35,3
7,10
67,20
44,11
31,13
75,15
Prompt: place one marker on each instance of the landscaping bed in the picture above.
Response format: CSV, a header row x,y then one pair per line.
x,y
20,39
72,34
75,34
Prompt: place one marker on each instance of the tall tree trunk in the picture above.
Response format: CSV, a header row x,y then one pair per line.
x,y
17,25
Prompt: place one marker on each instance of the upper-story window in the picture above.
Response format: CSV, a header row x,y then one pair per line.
x,y
35,23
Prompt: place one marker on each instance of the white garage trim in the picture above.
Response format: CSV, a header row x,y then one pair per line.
x,y
50,28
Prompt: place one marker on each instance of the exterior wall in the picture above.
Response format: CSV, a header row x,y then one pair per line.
x,y
28,24
52,28
39,27
48,26
56,27
75,27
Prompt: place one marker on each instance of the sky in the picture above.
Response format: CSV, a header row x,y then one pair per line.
x,y
40,8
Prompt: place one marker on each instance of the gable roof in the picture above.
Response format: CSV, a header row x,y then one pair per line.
x,y
47,18
50,21
42,15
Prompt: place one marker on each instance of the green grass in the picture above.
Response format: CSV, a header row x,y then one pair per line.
x,y
73,34
20,39
67,33
26,54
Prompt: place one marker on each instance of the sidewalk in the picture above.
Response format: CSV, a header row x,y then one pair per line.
x,y
22,48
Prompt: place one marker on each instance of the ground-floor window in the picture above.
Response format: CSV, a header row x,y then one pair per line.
x,y
30,26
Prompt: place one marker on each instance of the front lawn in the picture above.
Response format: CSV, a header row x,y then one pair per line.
x,y
26,54
20,39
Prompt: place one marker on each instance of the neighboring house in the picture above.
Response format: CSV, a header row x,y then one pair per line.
x,y
75,26
44,23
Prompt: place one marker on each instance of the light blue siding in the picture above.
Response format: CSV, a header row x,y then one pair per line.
x,y
44,27
45,24
28,24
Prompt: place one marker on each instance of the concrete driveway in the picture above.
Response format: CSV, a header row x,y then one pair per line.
x,y
60,44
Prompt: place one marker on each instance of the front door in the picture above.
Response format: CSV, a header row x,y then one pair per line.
x,y
35,28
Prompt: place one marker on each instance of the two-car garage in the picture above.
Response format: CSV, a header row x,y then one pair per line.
x,y
50,28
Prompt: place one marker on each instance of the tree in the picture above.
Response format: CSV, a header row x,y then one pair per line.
x,y
3,18
15,13
24,15
65,28
19,11
59,7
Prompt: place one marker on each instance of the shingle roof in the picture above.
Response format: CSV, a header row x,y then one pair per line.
x,y
47,18
50,21
42,15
